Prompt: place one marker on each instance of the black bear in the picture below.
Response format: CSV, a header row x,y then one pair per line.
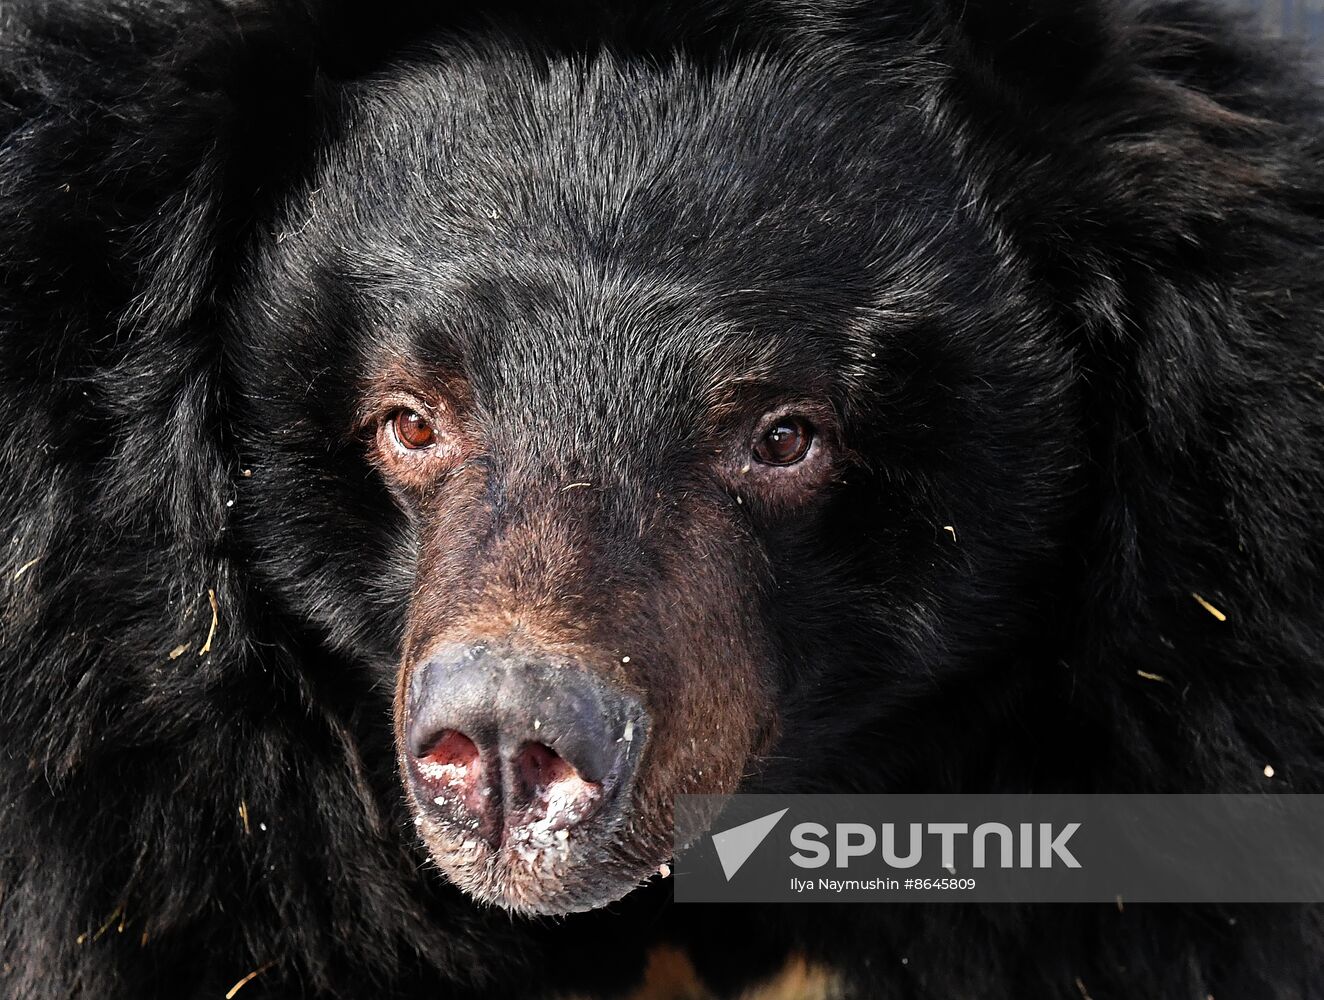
x,y
434,438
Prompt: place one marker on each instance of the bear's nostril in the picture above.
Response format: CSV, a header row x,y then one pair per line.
x,y
449,758
552,789
451,771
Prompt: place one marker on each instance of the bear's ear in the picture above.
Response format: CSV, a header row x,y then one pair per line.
x,y
1044,45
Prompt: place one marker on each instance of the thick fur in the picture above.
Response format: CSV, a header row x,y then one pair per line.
x,y
1060,266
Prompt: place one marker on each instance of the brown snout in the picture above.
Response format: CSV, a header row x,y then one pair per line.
x,y
511,749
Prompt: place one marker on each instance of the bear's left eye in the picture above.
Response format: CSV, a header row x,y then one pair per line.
x,y
412,430
786,442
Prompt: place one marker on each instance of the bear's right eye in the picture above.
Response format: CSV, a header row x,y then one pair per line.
x,y
412,430
413,445
786,442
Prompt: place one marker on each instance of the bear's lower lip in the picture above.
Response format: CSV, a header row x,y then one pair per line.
x,y
543,872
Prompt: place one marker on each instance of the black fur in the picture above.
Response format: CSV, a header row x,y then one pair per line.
x,y
1059,267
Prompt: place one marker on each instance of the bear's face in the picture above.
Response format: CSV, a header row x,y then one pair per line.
x,y
620,415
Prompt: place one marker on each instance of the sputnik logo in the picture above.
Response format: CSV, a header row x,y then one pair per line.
x,y
734,846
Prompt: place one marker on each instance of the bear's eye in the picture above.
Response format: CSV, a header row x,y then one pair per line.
x,y
412,430
786,442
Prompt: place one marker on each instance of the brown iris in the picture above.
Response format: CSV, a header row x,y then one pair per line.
x,y
412,430
785,442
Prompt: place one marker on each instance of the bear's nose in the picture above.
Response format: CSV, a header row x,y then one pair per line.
x,y
520,749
